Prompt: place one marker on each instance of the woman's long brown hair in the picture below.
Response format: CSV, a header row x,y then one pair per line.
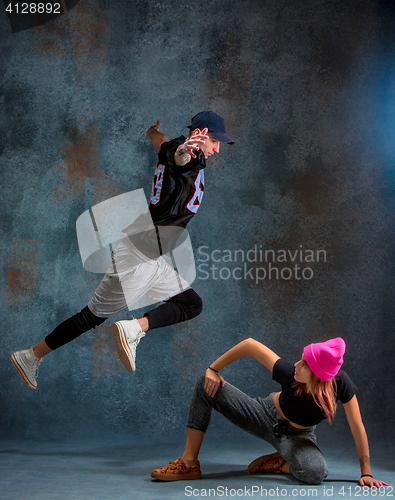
x,y
324,394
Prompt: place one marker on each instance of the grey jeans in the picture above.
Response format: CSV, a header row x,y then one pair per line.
x,y
260,418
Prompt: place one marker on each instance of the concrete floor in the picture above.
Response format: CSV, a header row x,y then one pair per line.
x,y
119,468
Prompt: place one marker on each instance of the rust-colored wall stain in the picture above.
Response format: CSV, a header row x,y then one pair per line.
x,y
88,32
80,164
50,39
105,361
23,272
79,34
310,193
80,159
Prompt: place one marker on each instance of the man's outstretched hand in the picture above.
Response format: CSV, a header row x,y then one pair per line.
x,y
194,142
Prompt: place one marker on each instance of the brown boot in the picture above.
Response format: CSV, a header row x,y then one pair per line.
x,y
177,471
264,464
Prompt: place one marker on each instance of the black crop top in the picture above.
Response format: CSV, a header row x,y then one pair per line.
x,y
302,409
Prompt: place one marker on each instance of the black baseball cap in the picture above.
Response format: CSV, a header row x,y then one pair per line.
x,y
214,123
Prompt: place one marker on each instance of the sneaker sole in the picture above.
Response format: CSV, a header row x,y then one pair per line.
x,y
22,373
123,348
188,476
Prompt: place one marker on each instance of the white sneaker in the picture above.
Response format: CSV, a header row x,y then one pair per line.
x,y
27,365
127,335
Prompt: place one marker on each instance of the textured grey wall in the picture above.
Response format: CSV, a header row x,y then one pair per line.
x,y
307,92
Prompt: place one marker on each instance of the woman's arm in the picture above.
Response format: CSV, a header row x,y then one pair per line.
x,y
361,442
248,347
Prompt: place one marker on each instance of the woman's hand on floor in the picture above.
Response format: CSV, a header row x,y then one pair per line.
x,y
371,481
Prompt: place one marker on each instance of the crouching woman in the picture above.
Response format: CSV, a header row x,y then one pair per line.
x,y
309,392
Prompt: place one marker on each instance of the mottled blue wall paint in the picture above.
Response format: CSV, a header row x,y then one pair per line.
x,y
307,92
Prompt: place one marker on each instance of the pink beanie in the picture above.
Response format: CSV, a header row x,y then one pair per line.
x,y
326,358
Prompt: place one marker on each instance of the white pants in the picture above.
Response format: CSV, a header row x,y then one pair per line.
x,y
135,281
